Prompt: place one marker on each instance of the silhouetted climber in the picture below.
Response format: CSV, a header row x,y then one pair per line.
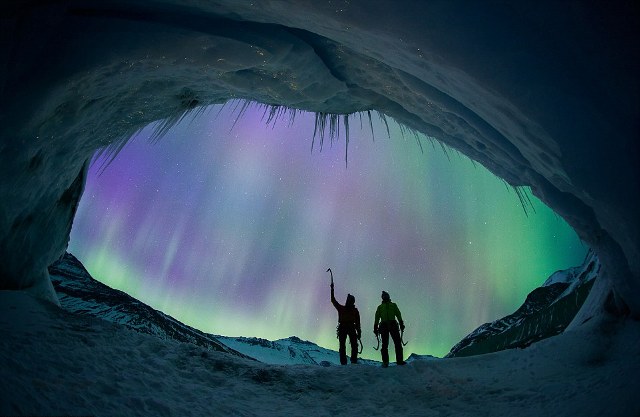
x,y
348,325
386,315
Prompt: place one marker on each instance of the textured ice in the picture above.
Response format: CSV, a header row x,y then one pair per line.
x,y
542,94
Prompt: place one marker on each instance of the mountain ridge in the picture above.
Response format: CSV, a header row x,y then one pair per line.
x,y
82,294
546,312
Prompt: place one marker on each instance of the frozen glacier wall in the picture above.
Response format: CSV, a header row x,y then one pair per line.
x,y
542,94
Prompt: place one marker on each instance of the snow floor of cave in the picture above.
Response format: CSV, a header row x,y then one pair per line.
x,y
56,363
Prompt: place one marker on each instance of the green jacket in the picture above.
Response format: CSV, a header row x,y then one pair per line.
x,y
387,311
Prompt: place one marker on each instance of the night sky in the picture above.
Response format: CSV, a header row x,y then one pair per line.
x,y
231,229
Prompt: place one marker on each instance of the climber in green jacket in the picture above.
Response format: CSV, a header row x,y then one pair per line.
x,y
386,315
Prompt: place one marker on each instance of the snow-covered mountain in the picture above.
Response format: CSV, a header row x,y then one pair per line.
x,y
80,293
289,351
546,312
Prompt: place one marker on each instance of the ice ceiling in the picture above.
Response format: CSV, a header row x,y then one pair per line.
x,y
542,94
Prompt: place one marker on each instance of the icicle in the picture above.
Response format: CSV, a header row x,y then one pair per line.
x,y
243,109
524,199
373,136
345,120
292,116
417,136
334,127
273,114
384,119
444,149
319,127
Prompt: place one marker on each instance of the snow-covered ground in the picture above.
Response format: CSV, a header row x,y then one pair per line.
x,y
57,363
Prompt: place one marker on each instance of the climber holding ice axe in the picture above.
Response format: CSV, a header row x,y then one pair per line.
x,y
348,325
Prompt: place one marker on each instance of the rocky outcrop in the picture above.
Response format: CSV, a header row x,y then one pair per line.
x,y
80,293
546,312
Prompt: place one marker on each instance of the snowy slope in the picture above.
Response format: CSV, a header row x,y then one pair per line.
x,y
58,363
546,312
80,293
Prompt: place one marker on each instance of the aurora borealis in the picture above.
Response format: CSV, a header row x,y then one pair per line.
x,y
230,228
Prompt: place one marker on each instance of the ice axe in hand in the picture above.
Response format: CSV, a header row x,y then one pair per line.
x,y
402,334
402,338
329,271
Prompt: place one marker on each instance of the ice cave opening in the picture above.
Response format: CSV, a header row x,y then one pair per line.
x,y
542,95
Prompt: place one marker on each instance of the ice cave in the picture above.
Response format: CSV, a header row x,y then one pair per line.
x,y
543,94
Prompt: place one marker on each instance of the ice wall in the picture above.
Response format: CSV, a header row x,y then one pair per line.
x,y
544,95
